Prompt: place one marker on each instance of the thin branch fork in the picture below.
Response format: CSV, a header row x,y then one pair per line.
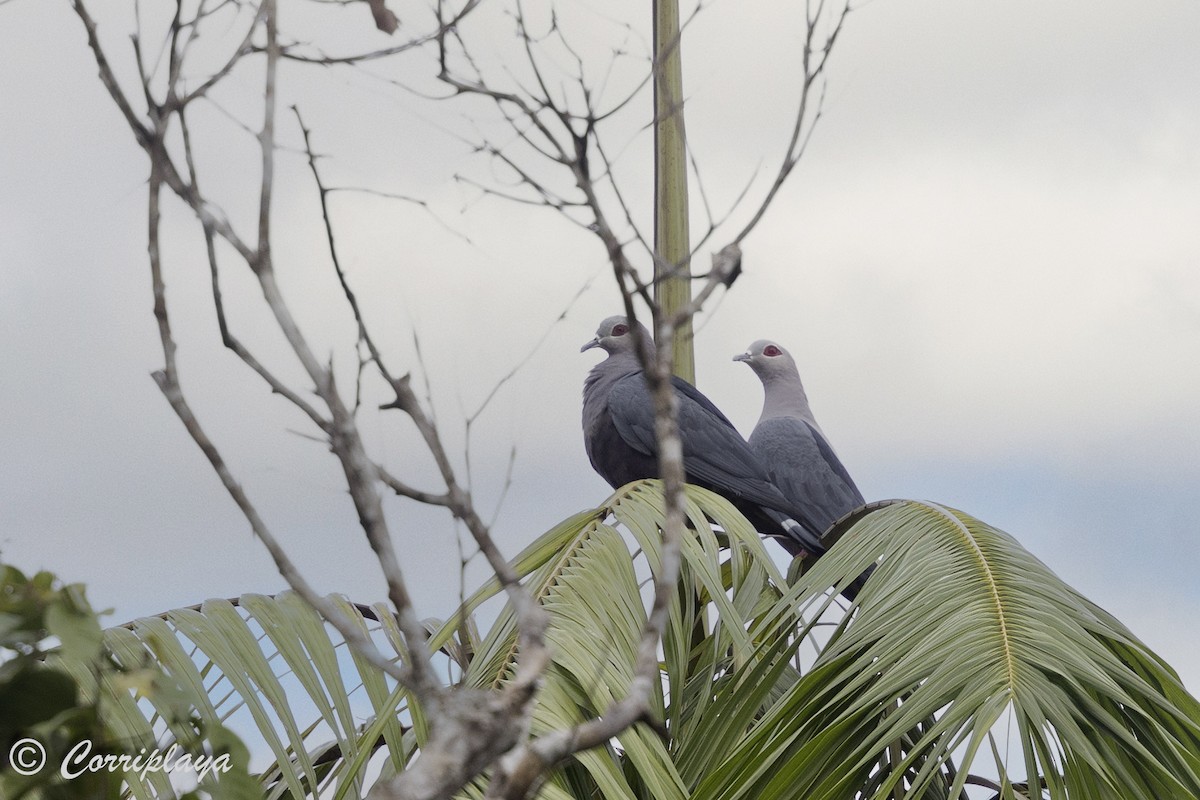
x,y
342,434
519,771
496,720
455,498
513,707
550,129
167,380
522,768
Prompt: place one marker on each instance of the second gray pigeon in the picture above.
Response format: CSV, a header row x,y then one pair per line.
x,y
799,459
618,433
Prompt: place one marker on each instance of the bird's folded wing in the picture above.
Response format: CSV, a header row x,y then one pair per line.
x,y
805,468
714,454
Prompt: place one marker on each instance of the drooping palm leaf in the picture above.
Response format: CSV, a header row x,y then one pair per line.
x,y
597,610
957,627
269,659
960,621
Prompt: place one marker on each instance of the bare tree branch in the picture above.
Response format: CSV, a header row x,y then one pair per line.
x,y
227,337
812,72
553,153
168,382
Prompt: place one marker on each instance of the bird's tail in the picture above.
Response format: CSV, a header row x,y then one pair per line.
x,y
851,591
807,541
800,539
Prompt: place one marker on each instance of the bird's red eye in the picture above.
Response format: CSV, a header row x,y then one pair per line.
x,y
620,329
772,350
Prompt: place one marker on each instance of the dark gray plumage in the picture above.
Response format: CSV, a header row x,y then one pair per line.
x,y
618,432
798,457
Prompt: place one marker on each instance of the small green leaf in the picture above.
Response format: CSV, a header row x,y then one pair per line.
x,y
34,693
76,629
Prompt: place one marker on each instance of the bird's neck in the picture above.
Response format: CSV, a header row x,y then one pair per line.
x,y
783,396
609,371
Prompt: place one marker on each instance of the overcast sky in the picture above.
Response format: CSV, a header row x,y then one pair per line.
x,y
987,266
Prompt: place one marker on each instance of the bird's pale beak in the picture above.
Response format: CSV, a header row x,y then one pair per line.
x,y
593,343
742,357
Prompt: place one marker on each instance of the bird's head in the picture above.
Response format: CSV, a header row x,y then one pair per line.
x,y
768,360
615,335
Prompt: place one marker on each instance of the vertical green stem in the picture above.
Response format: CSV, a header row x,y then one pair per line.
x,y
672,245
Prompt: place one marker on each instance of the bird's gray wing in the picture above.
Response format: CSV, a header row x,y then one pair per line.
x,y
714,454
631,409
835,465
690,392
805,468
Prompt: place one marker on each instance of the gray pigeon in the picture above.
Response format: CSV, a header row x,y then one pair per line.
x,y
799,459
618,433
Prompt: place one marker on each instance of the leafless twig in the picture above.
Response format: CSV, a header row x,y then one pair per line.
x,y
555,154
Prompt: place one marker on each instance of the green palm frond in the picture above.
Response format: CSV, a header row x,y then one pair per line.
x,y
960,623
269,661
769,689
587,581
